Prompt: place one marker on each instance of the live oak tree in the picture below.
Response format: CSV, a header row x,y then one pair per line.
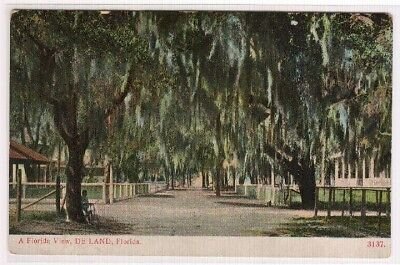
x,y
84,66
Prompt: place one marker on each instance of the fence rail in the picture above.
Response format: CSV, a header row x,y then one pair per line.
x,y
273,195
346,200
352,199
97,192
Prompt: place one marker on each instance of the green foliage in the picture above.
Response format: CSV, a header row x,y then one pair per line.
x,y
211,86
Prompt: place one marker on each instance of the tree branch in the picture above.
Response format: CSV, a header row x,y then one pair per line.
x,y
46,96
40,44
385,133
26,122
46,54
126,88
60,124
38,124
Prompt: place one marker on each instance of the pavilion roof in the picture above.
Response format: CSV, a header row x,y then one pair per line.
x,y
21,153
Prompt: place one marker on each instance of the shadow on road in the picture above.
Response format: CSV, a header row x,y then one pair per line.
x,y
180,189
242,204
228,197
163,196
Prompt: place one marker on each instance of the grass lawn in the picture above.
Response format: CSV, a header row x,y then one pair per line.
x,y
48,223
332,227
371,200
336,226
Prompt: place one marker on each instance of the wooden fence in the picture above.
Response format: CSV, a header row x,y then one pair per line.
x,y
374,200
340,200
273,195
348,200
97,192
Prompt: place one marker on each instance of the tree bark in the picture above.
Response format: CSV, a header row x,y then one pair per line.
x,y
234,178
74,178
218,180
303,171
307,187
173,180
58,188
220,159
183,178
226,179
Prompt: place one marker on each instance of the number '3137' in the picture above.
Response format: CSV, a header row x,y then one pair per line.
x,y
375,244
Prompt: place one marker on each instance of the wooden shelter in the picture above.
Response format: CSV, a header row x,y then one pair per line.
x,y
21,155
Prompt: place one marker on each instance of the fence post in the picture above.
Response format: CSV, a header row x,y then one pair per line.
x,y
23,190
329,201
351,202
316,201
363,212
19,194
111,188
388,202
103,191
343,201
379,212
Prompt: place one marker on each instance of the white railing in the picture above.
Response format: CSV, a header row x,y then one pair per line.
x,y
270,194
97,192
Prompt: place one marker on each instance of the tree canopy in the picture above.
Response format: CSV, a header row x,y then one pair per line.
x,y
173,94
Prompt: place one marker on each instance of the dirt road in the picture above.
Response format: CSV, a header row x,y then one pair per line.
x,y
194,212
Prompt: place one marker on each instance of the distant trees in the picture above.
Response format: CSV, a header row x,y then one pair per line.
x,y
295,92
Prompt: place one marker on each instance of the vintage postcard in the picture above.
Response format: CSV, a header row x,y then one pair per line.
x,y
202,133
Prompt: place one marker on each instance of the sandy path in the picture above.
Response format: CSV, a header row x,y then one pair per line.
x,y
197,212
187,212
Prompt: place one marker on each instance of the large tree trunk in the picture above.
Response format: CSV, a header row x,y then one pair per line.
x,y
306,179
173,180
218,181
226,184
220,156
167,176
107,176
74,178
303,171
183,177
234,178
